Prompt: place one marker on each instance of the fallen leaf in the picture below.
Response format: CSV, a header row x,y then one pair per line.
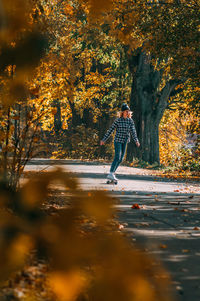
x,y
135,206
120,227
162,246
145,224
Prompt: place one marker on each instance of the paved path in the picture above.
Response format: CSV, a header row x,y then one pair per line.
x,y
167,222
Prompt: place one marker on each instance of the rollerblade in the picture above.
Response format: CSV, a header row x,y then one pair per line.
x,y
111,179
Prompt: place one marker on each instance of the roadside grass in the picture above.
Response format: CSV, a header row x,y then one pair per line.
x,y
166,171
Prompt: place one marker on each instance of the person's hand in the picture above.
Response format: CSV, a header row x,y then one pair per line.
x,y
138,144
102,142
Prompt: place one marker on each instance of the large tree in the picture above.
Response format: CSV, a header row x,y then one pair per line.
x,y
148,100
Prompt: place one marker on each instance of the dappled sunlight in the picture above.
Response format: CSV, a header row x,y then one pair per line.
x,y
165,234
176,258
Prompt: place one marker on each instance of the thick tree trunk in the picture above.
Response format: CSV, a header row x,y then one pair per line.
x,y
75,120
148,103
57,116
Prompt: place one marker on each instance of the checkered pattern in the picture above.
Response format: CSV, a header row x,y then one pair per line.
x,y
124,127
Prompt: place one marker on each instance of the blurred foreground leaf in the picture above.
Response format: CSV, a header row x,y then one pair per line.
x,y
89,259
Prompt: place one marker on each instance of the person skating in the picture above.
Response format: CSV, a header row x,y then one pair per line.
x,y
124,126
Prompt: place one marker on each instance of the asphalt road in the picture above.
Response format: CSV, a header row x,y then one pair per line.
x,y
167,222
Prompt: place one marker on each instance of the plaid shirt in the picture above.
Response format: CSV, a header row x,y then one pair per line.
x,y
123,126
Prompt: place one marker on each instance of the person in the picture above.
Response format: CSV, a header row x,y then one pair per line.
x,y
124,126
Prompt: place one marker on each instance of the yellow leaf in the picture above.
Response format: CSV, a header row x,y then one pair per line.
x,y
67,286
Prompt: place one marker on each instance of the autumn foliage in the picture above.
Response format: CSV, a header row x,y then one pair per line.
x,y
64,73
78,245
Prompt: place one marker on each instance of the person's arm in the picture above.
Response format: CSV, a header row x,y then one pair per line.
x,y
133,133
109,132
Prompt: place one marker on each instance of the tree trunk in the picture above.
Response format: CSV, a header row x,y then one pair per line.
x,y
75,120
57,116
148,103
5,154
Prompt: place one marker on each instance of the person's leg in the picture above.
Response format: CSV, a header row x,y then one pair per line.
x,y
122,153
118,150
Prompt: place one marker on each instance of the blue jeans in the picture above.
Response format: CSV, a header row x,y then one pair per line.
x,y
120,149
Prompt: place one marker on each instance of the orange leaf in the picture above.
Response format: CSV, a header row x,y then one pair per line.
x,y
35,91
54,111
185,251
162,246
135,206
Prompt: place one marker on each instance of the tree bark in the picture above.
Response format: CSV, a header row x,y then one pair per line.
x,y
5,154
57,116
148,103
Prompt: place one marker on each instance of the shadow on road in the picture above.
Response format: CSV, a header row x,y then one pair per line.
x,y
168,227
126,177
43,161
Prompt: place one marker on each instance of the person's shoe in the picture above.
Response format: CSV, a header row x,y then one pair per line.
x,y
115,178
110,176
111,179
